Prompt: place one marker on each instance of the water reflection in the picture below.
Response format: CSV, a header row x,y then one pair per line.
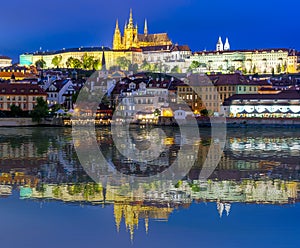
x,y
257,166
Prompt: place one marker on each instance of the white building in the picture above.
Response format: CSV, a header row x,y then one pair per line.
x,y
5,61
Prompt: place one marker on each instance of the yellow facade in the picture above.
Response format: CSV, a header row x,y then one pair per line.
x,y
132,39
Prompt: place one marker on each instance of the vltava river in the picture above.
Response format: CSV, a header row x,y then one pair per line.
x,y
55,192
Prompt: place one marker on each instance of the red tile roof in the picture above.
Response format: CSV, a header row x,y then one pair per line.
x,y
20,89
4,57
235,79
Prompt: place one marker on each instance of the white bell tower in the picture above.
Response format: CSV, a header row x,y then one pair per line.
x,y
219,46
227,45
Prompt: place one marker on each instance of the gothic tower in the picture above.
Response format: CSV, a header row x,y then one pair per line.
x,y
146,28
130,34
117,43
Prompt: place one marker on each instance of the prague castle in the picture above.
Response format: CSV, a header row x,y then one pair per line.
x,y
132,38
158,51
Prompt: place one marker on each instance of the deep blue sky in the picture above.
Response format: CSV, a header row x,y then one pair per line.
x,y
54,24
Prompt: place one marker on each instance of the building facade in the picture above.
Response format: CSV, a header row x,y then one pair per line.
x,y
284,104
20,94
5,61
261,61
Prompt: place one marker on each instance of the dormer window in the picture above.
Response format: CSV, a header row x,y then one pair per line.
x,y
132,86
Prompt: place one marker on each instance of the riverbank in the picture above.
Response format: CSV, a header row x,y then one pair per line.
x,y
202,122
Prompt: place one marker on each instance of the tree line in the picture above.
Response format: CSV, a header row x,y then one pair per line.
x,y
88,62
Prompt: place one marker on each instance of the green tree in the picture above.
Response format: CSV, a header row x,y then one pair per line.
x,y
145,66
77,64
70,62
254,69
56,61
298,68
157,112
283,67
40,110
165,68
273,71
278,68
231,69
15,110
195,65
87,62
133,67
123,62
40,64
55,107
175,69
97,65
154,67
204,112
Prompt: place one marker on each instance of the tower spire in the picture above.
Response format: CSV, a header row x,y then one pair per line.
x,y
227,45
117,24
130,19
146,28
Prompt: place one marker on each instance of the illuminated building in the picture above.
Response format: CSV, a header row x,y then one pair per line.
x,y
259,61
18,73
132,38
133,55
20,94
199,94
283,104
5,61
139,98
154,48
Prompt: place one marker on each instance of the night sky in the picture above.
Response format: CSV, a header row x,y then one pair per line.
x,y
54,24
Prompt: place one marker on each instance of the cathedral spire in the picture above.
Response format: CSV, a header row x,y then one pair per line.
x,y
146,28
117,25
130,19
103,62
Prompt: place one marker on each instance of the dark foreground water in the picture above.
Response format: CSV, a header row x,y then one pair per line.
x,y
48,199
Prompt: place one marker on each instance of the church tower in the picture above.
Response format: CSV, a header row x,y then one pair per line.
x,y
146,28
117,44
132,39
227,45
219,46
130,34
